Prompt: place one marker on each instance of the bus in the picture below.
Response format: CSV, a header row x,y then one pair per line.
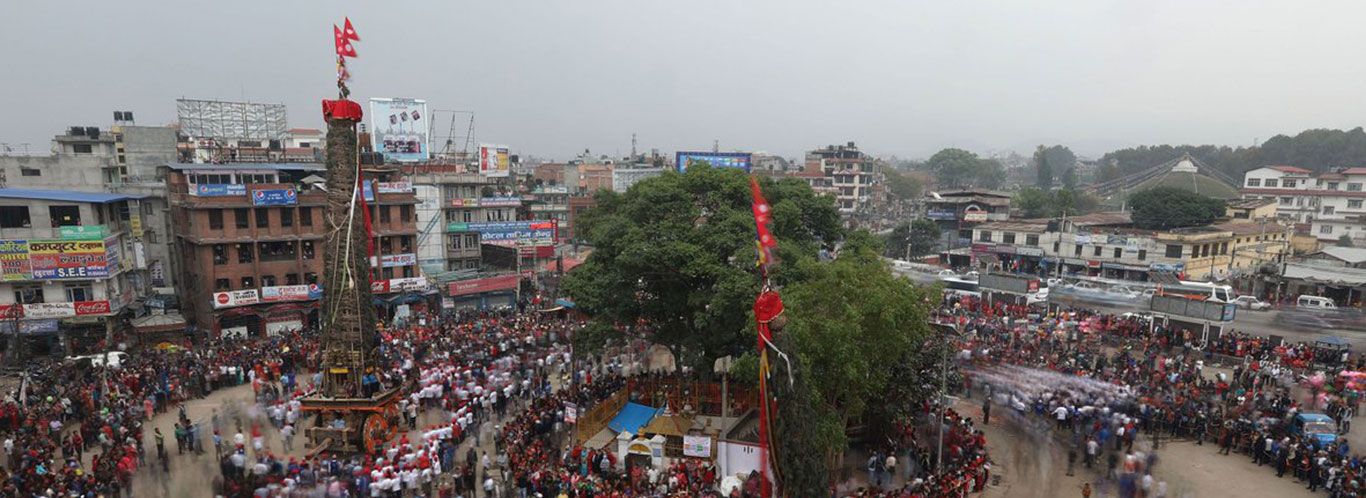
x,y
961,287
1199,290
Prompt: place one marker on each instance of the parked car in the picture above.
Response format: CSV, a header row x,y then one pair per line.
x,y
1251,303
1315,302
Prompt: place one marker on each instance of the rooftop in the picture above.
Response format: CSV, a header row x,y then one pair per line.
x,y
1102,218
64,195
1249,228
1291,169
1354,171
1249,203
248,166
1016,225
1350,255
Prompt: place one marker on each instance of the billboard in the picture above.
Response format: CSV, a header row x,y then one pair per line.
x,y
478,285
739,160
398,129
84,232
14,262
395,260
232,120
395,187
274,197
1003,282
63,259
217,190
511,233
494,160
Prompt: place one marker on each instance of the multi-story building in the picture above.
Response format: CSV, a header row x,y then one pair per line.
x,y
466,201
1333,203
1106,245
957,211
853,175
624,177
68,266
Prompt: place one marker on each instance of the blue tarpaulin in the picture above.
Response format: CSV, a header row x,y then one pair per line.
x,y
564,302
632,417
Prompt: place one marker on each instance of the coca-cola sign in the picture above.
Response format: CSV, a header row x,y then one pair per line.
x,y
84,308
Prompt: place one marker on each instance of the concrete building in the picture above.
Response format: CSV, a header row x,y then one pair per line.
x,y
624,177
853,175
70,270
1333,203
956,211
1107,245
464,198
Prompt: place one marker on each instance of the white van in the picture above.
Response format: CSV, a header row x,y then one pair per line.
x,y
1316,302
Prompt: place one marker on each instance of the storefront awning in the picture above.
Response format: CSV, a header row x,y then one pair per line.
x,y
159,323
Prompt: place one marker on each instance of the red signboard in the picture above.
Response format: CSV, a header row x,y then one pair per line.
x,y
91,308
478,285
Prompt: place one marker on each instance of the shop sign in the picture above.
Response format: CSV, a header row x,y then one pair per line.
x,y
1029,251
217,190
1168,267
1093,264
975,216
697,446
395,187
281,293
941,214
1005,249
478,285
393,260
982,247
83,232
87,308
229,299
49,310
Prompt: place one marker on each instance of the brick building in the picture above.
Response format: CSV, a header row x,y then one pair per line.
x,y
248,242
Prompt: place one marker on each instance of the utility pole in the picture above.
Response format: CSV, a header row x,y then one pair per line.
x,y
943,386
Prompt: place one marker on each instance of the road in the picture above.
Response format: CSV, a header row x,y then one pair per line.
x,y
1263,323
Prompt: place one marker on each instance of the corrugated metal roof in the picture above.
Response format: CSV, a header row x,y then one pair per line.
x,y
64,195
1352,255
1325,274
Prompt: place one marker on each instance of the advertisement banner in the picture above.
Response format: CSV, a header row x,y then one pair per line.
x,y
113,253
510,233
478,285
975,216
407,284
50,310
84,232
235,298
56,259
367,190
494,160
500,201
398,129
1029,251
86,308
571,413
394,260
274,197
30,327
134,218
738,160
281,293
14,262
217,190
1082,239
395,187
697,446
941,214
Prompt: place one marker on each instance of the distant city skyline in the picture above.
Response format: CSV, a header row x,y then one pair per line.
x,y
552,79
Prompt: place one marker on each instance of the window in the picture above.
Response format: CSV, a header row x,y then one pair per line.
x,y
78,292
286,217
384,213
1328,210
471,240
1119,252
147,209
1204,250
275,251
1254,182
262,217
405,213
407,272
248,282
241,215
1270,182
1032,240
1286,201
467,216
1057,246
291,279
1077,252
14,217
1332,185
405,244
387,273
1096,251
1008,237
1354,204
1173,251
215,219
1288,183
1326,229
30,171
310,278
307,249
82,148
1142,254
151,236
306,216
63,216
28,294
267,280
1354,187
220,254
386,245
1223,248
244,253
221,284
985,236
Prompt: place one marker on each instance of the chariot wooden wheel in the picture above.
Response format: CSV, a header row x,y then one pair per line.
x,y
374,433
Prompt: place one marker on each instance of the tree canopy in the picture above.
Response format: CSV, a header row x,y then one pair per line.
x,y
916,238
1315,149
1036,203
677,251
958,168
1166,208
903,186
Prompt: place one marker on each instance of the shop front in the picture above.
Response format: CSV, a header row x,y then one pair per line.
x,y
484,293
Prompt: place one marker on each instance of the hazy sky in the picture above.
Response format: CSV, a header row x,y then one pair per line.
x,y
552,77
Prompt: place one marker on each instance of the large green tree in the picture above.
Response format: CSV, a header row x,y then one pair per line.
x,y
1043,169
958,168
677,251
902,185
1166,208
916,238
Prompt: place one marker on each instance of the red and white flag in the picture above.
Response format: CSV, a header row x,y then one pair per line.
x,y
350,32
344,47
